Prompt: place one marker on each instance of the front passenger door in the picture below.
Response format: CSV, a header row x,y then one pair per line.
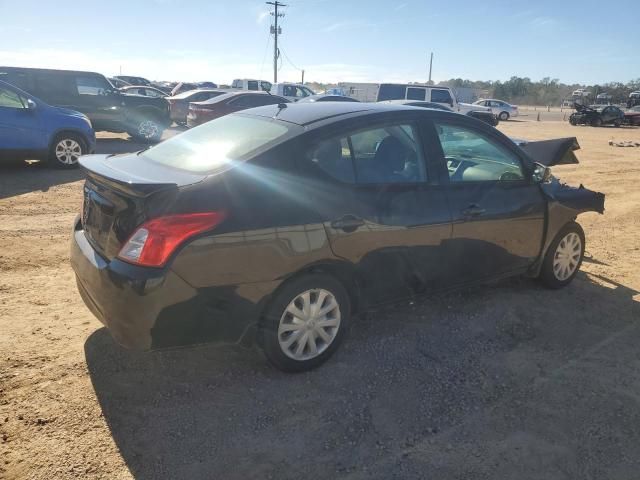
x,y
498,212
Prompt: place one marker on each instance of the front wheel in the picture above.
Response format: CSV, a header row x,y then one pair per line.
x,y
564,256
65,150
305,323
148,130
596,122
617,123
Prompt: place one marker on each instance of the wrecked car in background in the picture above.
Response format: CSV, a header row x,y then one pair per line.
x,y
597,116
277,224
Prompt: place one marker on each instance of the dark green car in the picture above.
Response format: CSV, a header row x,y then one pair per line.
x,y
110,110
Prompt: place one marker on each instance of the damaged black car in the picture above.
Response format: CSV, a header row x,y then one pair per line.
x,y
275,226
597,116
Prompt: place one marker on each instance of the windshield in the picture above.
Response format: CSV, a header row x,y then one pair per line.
x,y
217,143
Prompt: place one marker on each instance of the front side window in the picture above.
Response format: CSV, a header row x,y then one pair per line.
x,y
472,156
390,91
91,85
441,96
253,85
288,91
416,93
389,154
10,99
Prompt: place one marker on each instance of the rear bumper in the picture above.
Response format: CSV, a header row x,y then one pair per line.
x,y
147,308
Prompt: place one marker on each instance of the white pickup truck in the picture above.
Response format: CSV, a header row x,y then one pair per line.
x,y
380,92
291,91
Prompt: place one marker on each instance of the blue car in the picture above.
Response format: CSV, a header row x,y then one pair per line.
x,y
31,129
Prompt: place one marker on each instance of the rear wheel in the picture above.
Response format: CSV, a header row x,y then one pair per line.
x,y
617,123
596,122
305,323
564,257
65,150
504,116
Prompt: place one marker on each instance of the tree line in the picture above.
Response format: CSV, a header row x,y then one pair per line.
x,y
548,91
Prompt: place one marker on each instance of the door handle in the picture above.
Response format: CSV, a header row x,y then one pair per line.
x,y
473,211
348,223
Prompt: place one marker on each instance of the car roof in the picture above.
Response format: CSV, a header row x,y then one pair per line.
x,y
305,114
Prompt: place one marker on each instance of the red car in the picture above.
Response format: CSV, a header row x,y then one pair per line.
x,y
632,116
201,112
179,104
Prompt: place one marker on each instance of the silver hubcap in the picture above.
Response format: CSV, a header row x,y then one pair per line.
x,y
567,256
68,151
148,129
309,324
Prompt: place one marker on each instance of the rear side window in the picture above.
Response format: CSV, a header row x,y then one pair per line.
x,y
253,85
441,96
217,144
416,93
19,79
55,85
391,92
389,154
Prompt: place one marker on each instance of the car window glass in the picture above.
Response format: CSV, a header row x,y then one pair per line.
x,y
288,91
253,85
55,85
9,99
333,157
416,93
472,156
440,96
90,85
388,155
391,92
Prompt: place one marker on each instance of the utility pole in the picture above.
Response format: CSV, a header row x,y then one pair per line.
x,y
302,77
430,67
275,30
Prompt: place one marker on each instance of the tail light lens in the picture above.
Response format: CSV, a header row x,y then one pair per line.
x,y
154,241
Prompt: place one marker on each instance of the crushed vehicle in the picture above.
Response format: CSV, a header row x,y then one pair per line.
x,y
275,225
596,116
632,116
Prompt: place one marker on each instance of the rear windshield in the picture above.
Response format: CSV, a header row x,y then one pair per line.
x,y
217,143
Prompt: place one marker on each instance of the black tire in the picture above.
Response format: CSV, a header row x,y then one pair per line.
x,y
596,122
504,116
547,275
617,123
269,337
572,120
73,146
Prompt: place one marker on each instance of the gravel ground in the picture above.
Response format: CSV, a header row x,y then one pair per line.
x,y
503,381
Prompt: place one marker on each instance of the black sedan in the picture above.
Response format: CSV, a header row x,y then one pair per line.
x,y
597,116
276,225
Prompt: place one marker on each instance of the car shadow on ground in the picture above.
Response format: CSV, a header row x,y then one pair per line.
x,y
491,382
18,178
23,177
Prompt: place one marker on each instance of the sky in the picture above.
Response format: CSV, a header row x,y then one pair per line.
x,y
357,40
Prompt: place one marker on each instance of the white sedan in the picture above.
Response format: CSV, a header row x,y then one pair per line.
x,y
500,109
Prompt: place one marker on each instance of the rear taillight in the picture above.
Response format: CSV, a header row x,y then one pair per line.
x,y
154,241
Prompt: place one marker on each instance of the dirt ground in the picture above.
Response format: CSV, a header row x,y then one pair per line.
x,y
500,382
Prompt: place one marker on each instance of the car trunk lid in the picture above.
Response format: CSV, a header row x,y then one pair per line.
x,y
121,192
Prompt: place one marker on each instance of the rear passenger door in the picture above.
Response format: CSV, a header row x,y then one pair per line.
x,y
379,210
498,212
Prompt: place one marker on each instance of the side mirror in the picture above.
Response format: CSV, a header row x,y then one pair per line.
x,y
31,105
541,173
